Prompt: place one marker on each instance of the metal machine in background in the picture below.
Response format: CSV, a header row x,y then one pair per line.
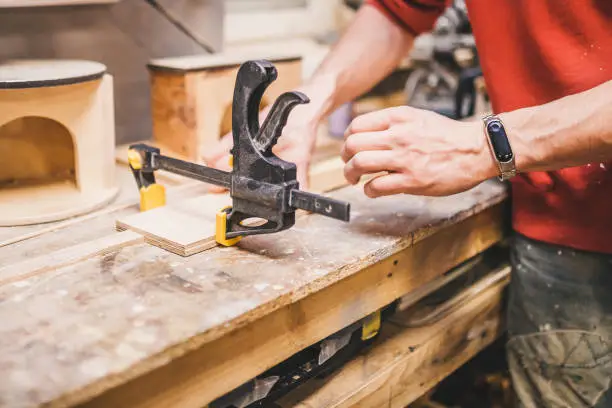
x,y
445,72
446,67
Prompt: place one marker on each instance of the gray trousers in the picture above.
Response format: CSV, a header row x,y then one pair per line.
x,y
560,326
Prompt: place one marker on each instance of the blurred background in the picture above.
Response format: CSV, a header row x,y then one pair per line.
x,y
126,34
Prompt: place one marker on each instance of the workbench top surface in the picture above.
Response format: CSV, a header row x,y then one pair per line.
x,y
75,331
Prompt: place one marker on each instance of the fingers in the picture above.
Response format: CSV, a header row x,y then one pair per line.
x,y
302,176
367,162
301,158
216,189
367,141
218,152
377,120
388,184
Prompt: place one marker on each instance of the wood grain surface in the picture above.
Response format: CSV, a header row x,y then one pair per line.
x,y
408,361
139,316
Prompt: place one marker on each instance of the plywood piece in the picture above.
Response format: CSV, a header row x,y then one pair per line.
x,y
405,363
67,256
184,228
190,329
188,227
78,97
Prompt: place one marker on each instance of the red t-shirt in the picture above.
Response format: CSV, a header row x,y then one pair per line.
x,y
533,52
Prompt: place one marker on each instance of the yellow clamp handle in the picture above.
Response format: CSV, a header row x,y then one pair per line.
x,y
134,159
152,197
221,229
370,326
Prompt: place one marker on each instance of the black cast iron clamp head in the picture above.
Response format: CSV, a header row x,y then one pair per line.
x,y
262,186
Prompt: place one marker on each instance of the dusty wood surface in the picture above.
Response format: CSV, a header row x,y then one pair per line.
x,y
71,255
406,362
75,332
206,370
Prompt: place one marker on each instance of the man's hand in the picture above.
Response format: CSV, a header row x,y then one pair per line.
x,y
295,145
422,153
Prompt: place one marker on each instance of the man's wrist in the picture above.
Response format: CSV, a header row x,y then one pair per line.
x,y
487,167
321,90
521,126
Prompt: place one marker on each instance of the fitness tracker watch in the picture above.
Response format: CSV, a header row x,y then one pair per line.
x,y
500,146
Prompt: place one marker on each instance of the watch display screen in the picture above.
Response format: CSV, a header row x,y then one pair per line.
x,y
499,141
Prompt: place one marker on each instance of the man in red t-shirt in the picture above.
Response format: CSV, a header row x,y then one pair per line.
x,y
548,69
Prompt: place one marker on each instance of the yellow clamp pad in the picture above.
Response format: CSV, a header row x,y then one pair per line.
x,y
231,160
134,159
152,196
370,326
221,229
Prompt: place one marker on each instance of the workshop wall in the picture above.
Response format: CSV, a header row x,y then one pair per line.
x,y
123,36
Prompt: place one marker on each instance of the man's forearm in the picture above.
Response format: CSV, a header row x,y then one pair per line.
x,y
571,131
367,52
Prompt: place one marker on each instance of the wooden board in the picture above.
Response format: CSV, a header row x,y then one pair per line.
x,y
210,371
407,362
190,329
68,256
184,228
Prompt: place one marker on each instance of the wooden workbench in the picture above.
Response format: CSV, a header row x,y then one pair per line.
x,y
95,317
